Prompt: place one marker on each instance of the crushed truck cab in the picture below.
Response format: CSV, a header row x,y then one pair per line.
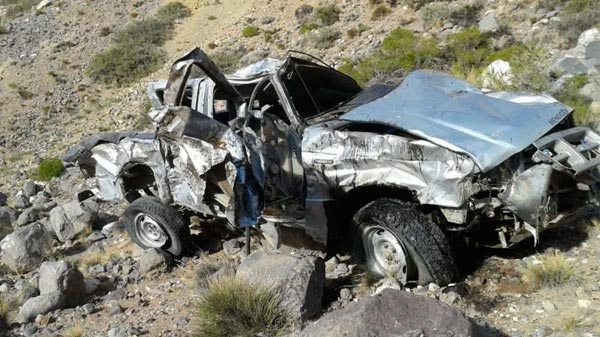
x,y
403,172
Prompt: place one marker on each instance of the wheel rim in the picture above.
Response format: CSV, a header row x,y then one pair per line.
x,y
149,232
385,254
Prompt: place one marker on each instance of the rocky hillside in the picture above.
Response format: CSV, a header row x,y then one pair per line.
x,y
73,69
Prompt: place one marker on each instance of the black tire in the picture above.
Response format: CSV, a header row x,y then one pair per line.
x,y
424,242
169,220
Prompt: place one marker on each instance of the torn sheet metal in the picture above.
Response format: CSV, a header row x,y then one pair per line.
x,y
348,160
454,114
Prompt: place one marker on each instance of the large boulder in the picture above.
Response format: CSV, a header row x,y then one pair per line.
x,y
299,279
395,313
152,259
7,217
65,278
23,250
73,218
41,305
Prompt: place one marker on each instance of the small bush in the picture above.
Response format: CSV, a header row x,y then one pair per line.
x,y
420,3
250,31
569,95
74,331
572,323
466,15
4,29
173,11
231,307
435,12
401,49
307,27
324,38
553,271
352,33
15,8
379,12
328,15
468,50
137,51
227,60
212,17
104,31
528,66
577,16
122,64
4,308
49,168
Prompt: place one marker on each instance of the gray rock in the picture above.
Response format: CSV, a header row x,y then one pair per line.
x,y
592,51
28,216
30,188
26,290
7,217
115,295
394,313
303,12
41,305
300,280
152,259
488,23
95,237
232,247
24,249
114,308
88,309
96,269
591,91
265,20
117,332
21,202
570,65
63,277
3,199
73,218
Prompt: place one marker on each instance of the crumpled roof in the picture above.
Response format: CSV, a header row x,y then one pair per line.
x,y
454,114
258,69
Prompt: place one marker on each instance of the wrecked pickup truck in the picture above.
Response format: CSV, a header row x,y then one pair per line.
x,y
295,145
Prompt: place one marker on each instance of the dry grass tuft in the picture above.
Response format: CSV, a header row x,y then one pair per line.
x,y
231,307
553,271
572,323
4,307
74,331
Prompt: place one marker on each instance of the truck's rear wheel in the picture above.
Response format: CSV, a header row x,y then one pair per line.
x,y
152,224
397,240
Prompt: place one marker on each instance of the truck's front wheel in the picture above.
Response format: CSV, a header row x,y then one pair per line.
x,y
397,240
152,224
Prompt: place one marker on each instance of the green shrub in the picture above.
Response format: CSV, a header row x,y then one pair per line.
x,y
379,12
324,38
123,64
577,16
468,49
528,64
136,51
4,29
328,15
352,33
569,95
231,307
250,31
434,12
49,168
16,8
4,308
307,27
173,11
151,31
466,15
401,49
227,60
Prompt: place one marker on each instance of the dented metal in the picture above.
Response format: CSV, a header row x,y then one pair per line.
x,y
286,143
